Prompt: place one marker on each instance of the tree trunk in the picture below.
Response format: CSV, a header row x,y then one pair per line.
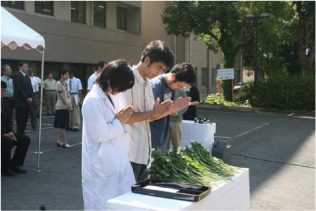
x,y
229,62
307,62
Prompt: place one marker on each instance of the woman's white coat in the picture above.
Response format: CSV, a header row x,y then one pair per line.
x,y
106,169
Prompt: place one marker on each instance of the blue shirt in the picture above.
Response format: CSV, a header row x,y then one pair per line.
x,y
159,128
74,85
9,90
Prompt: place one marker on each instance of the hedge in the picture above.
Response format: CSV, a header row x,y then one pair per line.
x,y
282,92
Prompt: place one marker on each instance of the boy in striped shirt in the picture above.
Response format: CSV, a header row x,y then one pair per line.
x,y
155,59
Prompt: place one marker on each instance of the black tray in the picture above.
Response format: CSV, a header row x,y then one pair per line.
x,y
177,190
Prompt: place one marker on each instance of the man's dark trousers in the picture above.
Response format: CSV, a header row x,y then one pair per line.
x,y
7,143
22,115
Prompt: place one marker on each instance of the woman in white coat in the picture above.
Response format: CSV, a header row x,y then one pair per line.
x,y
106,169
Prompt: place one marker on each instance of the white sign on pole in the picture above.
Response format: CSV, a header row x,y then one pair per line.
x,y
225,74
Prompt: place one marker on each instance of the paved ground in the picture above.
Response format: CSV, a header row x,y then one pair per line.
x,y
278,149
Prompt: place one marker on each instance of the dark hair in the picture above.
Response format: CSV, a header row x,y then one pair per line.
x,y
101,64
49,73
30,71
118,74
72,70
3,67
21,63
63,71
184,73
3,85
158,51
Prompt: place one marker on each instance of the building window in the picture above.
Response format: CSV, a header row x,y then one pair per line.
x,y
204,76
44,7
121,18
13,4
78,11
99,14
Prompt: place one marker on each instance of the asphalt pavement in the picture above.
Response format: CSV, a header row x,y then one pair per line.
x,y
278,148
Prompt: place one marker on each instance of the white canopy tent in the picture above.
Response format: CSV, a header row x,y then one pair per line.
x,y
15,34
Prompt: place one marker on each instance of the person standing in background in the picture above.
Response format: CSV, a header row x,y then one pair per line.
x,y
9,91
101,65
63,107
23,94
190,114
11,166
75,88
175,123
50,94
34,113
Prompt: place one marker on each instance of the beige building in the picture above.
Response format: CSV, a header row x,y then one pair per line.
x,y
79,34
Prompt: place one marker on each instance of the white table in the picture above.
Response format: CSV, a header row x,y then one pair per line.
x,y
202,133
233,195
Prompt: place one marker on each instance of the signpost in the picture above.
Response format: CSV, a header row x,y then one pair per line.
x,y
225,74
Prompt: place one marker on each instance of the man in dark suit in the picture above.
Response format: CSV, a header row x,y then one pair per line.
x,y
23,93
9,166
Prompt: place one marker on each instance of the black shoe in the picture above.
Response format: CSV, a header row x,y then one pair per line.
x,y
8,173
75,129
19,170
68,129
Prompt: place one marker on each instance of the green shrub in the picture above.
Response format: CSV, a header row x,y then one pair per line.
x,y
282,92
217,100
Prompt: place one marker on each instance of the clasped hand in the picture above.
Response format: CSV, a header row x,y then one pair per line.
x,y
11,136
124,114
161,108
181,103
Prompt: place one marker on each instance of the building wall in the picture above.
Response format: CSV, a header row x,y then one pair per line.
x,y
71,42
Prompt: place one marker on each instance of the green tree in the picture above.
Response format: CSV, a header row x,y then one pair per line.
x,y
218,24
282,40
276,38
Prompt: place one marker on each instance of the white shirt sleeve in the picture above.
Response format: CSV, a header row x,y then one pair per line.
x,y
79,84
38,80
95,124
90,83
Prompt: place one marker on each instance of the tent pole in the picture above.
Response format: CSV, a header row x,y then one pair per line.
x,y
40,116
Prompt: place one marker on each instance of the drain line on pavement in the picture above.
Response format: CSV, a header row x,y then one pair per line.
x,y
272,161
249,131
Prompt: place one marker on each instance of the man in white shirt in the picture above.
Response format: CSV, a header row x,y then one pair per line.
x,y
34,112
101,65
155,59
9,91
75,87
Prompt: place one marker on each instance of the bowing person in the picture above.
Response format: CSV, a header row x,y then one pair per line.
x,y
106,169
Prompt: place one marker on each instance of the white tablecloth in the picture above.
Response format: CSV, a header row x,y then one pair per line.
x,y
233,195
202,133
